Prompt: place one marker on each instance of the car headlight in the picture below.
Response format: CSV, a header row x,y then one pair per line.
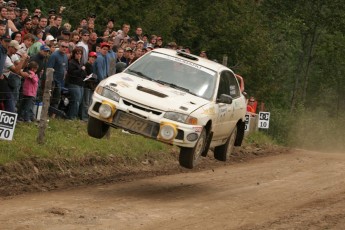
x,y
106,110
108,93
167,131
179,117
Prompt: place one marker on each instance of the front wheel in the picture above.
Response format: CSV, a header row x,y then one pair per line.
x,y
96,128
190,157
223,152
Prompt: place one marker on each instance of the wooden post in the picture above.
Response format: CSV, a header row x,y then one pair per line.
x,y
45,107
225,60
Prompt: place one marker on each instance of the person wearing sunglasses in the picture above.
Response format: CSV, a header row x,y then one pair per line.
x,y
58,61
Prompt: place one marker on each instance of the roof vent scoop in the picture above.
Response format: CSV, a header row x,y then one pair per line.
x,y
150,91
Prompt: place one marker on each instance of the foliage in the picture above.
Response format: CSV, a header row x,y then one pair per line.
x,y
290,53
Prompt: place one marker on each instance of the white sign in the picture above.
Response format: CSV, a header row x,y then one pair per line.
x,y
264,120
247,123
8,122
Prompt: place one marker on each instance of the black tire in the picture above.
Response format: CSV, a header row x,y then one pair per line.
x,y
96,128
190,157
223,152
240,133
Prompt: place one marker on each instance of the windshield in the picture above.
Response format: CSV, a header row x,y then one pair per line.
x,y
175,72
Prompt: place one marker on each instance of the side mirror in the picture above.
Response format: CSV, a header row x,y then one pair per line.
x,y
226,99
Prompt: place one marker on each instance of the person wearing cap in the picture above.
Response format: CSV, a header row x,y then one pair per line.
x,y
140,44
12,4
128,54
13,69
49,40
149,48
51,12
5,96
66,34
41,59
101,63
89,86
85,36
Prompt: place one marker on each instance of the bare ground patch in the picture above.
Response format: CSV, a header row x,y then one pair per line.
x,y
38,175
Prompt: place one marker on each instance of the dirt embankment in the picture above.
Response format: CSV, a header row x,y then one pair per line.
x,y
33,175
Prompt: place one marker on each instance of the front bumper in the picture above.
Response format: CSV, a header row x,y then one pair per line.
x,y
146,121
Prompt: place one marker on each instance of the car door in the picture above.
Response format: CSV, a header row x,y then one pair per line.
x,y
226,116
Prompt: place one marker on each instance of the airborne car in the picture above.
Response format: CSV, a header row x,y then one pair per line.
x,y
176,98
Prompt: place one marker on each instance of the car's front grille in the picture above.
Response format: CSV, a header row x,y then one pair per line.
x,y
141,107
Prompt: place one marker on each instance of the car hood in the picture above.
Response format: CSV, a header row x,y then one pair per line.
x,y
153,94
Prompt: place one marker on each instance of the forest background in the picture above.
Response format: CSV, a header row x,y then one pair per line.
x,y
291,53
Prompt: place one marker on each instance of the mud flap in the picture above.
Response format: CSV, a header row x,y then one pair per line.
x,y
240,133
207,146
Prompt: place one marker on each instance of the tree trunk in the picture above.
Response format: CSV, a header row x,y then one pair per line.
x,y
298,74
309,60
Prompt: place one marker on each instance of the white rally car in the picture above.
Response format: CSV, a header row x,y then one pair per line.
x,y
176,98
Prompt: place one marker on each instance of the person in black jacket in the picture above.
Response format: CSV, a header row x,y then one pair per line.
x,y
75,82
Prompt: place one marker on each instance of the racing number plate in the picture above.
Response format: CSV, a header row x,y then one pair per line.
x,y
136,124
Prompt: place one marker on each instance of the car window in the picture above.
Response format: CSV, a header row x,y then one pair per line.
x,y
228,85
177,71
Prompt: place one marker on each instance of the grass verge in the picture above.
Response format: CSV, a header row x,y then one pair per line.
x,y
70,139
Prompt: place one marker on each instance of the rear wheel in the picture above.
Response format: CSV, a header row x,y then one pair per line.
x,y
190,157
223,152
96,128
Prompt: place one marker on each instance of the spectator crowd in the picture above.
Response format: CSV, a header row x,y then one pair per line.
x,y
81,57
